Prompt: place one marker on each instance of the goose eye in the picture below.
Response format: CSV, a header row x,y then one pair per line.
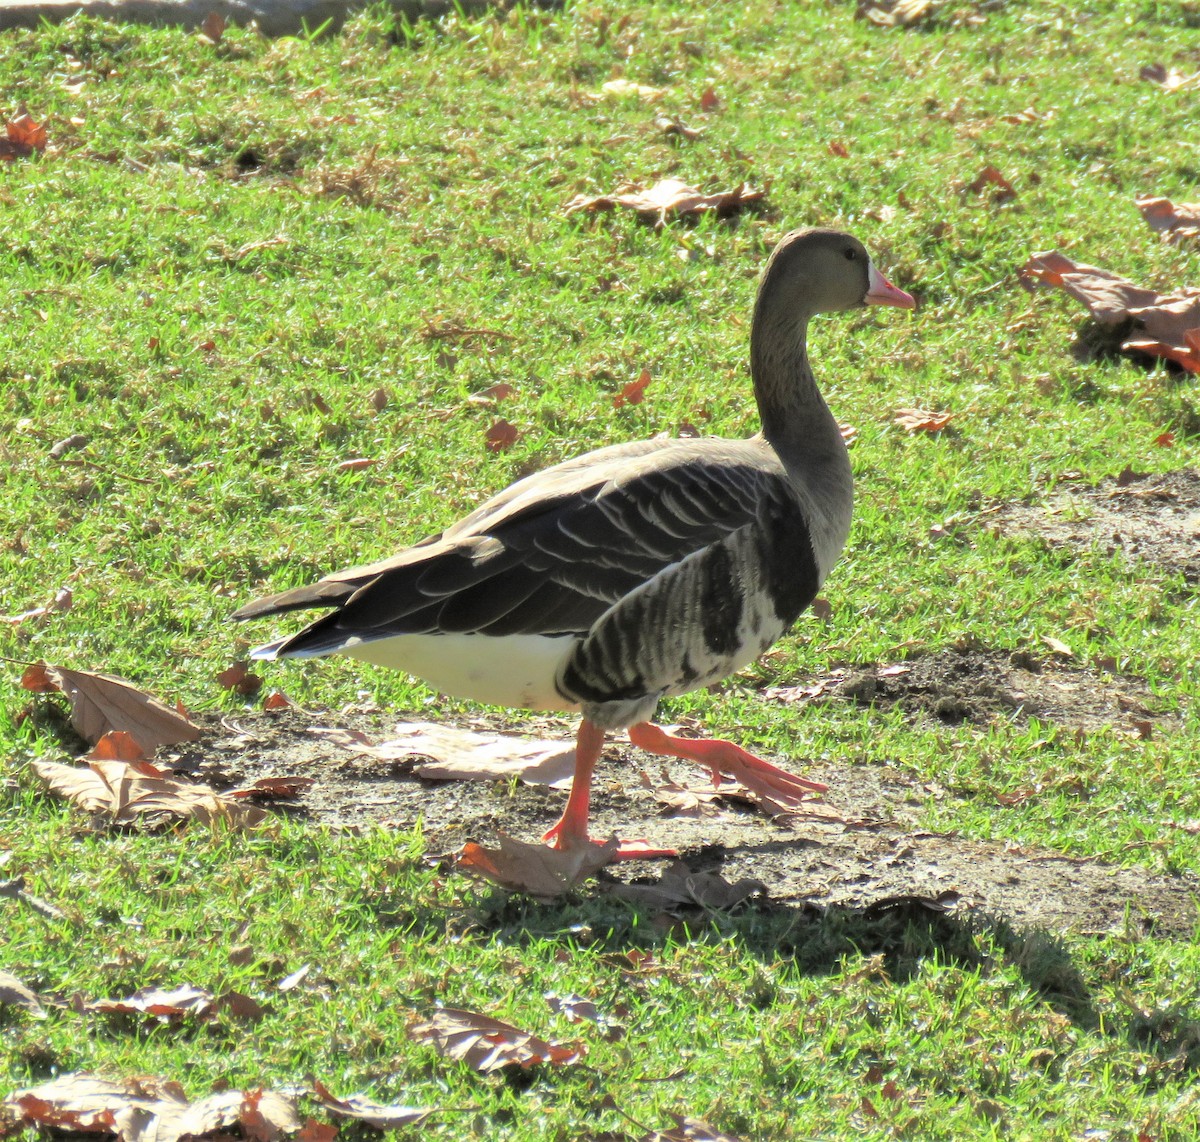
x,y
850,255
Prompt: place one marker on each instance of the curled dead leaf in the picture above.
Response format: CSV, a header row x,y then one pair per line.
x,y
534,869
991,178
362,1109
1173,223
101,703
124,791
501,436
487,1044
240,678
634,392
669,196
1161,325
921,420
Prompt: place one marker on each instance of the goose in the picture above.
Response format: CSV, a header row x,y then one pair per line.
x,y
635,572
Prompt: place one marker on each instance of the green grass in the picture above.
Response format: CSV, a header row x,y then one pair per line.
x,y
315,210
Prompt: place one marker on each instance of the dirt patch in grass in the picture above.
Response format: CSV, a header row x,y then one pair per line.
x,y
872,849
1150,519
980,687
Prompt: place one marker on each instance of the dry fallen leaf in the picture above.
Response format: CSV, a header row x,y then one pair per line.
x,y
168,1006
148,1109
124,791
363,1109
241,679
1169,79
921,420
1058,646
687,1129
534,869
501,436
271,788
669,196
623,88
683,800
102,702
487,1044
1161,325
463,755
894,13
634,392
212,28
117,745
679,886
991,177
23,136
1171,222
14,993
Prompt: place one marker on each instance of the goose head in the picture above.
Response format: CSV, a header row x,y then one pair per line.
x,y
824,271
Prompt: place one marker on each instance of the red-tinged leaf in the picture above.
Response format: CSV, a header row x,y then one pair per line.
x,y
1165,440
502,390
212,28
267,1116
1164,325
357,464
240,1006
867,1108
152,343
314,1131
487,1045
709,100
207,346
240,678
362,1109
117,745
380,399
1016,797
922,420
276,700
634,392
501,436
891,1091
839,150
991,178
23,137
102,702
535,870
159,1004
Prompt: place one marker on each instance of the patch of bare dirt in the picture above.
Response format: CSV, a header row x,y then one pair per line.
x,y
980,687
871,850
1150,519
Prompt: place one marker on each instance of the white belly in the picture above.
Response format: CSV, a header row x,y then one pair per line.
x,y
509,670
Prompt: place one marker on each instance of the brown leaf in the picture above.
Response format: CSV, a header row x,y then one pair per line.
x,y
682,800
502,390
709,100
536,870
921,420
240,678
117,745
894,13
1172,223
126,790
634,392
1058,646
24,136
357,464
623,88
147,1109
102,702
670,196
991,177
362,1109
501,436
679,887
688,1129
486,1044
1163,325
213,27
463,755
277,700
270,788
14,993
1168,79
839,150
170,1005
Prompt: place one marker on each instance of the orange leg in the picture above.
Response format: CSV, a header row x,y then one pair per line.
x,y
571,829
722,757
